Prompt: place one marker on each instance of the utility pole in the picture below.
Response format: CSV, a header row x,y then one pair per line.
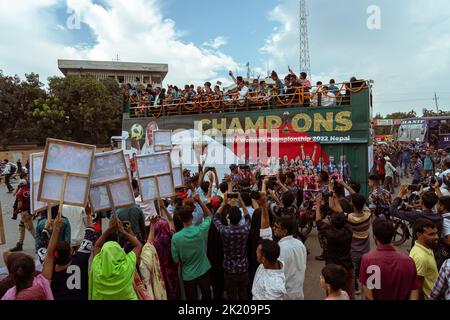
x,y
436,101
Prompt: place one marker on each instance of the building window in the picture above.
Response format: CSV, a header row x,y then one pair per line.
x,y
121,79
146,79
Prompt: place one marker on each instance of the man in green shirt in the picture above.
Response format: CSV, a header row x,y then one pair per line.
x,y
189,249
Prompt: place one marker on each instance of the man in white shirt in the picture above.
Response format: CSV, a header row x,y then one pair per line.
x,y
328,97
269,282
292,251
77,220
293,255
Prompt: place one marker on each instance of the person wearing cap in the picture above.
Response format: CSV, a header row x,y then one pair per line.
x,y
389,175
23,207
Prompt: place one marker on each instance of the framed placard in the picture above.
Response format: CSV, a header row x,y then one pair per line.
x,y
155,177
66,172
178,177
162,138
2,227
36,160
153,164
110,186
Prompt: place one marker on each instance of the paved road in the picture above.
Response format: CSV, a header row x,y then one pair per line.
x,y
312,288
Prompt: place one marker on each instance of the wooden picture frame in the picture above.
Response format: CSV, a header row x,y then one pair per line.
x,y
110,191
146,175
2,227
36,161
162,138
67,167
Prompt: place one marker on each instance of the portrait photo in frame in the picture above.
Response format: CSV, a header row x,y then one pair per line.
x,y
110,186
155,176
36,160
66,172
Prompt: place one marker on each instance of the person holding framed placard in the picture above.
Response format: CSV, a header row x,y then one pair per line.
x,y
64,233
135,216
70,264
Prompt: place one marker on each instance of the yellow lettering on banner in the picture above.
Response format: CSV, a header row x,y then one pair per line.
x,y
252,127
200,125
342,118
222,127
319,121
296,119
235,126
273,122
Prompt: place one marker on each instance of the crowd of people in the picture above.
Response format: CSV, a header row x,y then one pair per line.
x,y
137,94
239,238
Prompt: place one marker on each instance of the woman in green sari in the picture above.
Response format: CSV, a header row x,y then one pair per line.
x,y
112,270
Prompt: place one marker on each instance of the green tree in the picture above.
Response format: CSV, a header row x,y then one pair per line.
x,y
401,115
432,113
17,103
92,107
378,116
50,119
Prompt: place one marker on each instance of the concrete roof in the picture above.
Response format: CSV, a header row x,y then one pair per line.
x,y
64,65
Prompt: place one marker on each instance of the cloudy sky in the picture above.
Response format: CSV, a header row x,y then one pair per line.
x,y
408,57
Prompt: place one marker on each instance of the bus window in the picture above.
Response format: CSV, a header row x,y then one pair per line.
x,y
444,127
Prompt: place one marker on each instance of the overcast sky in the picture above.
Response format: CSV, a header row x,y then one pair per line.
x,y
408,57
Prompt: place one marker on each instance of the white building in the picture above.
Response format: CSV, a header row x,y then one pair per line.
x,y
122,72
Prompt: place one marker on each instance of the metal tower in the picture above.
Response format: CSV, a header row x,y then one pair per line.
x,y
305,64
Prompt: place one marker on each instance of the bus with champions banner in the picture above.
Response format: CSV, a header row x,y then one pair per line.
x,y
260,130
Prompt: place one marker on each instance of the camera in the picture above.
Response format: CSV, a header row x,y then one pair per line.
x,y
233,195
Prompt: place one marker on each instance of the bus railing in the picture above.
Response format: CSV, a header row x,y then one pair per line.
x,y
298,98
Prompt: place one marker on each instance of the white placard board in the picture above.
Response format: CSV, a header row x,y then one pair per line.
x,y
110,171
178,177
162,138
149,191
66,161
165,186
121,194
36,160
74,193
154,172
109,166
153,164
